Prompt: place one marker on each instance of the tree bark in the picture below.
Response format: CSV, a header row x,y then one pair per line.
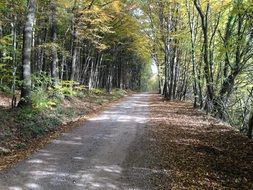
x,y
1,35
55,62
14,61
250,126
193,25
75,43
109,79
207,68
229,81
26,59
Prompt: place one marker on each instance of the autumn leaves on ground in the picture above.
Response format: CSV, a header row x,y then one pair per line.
x,y
197,151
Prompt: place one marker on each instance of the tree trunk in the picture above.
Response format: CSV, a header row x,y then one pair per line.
x,y
193,25
166,75
74,56
26,60
207,70
97,70
14,61
229,81
171,72
63,64
199,85
159,80
54,65
250,126
75,43
1,35
109,79
91,78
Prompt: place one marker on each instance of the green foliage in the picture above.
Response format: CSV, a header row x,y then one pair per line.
x,y
5,73
34,123
41,80
98,91
5,88
118,93
41,119
41,100
62,112
30,128
66,88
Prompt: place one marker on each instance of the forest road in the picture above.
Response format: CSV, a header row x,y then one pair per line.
x,y
96,155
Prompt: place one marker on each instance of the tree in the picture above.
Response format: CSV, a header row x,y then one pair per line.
x,y
250,126
207,68
26,60
54,65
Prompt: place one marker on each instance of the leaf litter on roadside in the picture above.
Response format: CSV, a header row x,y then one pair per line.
x,y
198,151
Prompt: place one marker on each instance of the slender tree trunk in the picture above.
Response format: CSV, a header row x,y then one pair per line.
x,y
54,65
165,25
186,80
1,35
207,68
109,79
172,72
63,64
75,43
74,56
159,80
97,70
91,78
14,61
200,94
166,75
250,126
192,22
42,60
176,73
120,84
26,60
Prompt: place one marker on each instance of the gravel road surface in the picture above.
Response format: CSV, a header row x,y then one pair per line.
x,y
101,154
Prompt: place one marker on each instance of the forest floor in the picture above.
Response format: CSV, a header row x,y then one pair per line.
x,y
142,142
196,150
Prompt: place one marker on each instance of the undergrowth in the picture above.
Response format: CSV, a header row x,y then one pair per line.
x,y
49,110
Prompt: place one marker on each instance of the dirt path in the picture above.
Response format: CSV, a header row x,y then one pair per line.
x,y
90,157
142,143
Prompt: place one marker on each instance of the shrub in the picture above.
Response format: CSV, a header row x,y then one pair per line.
x,y
41,80
5,89
41,99
98,91
66,88
118,92
34,123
